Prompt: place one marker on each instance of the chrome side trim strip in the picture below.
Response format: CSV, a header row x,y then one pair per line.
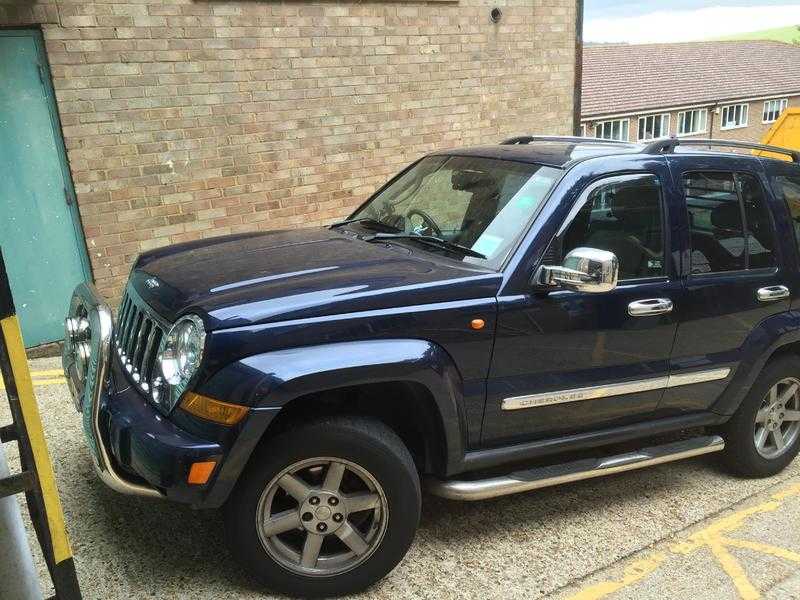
x,y
586,393
578,470
698,377
612,389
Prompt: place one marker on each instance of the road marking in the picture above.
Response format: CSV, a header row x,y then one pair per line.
x,y
45,377
634,572
714,539
48,373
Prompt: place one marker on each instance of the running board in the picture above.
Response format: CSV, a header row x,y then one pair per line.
x,y
542,477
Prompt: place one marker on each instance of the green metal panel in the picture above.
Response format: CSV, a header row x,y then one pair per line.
x,y
40,229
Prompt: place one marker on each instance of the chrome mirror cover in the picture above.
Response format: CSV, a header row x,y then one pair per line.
x,y
587,270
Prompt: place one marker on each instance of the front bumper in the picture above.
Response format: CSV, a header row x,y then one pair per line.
x,y
135,449
145,444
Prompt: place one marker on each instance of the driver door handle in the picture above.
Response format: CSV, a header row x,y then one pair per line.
x,y
652,306
772,293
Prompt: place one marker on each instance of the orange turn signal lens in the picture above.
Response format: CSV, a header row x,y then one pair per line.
x,y
200,472
213,410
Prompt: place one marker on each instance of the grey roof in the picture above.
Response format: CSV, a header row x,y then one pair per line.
x,y
630,78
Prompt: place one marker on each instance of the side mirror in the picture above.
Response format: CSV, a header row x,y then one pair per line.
x,y
583,270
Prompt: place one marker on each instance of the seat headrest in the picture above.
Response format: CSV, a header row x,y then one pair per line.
x,y
727,216
467,180
635,206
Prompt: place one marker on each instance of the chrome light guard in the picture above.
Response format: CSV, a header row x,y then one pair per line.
x,y
85,358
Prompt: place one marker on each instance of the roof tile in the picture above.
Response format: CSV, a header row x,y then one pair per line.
x,y
631,78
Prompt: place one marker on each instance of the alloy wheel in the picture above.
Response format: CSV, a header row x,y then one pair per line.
x,y
777,424
321,517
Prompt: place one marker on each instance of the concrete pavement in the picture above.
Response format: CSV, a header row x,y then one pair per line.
x,y
656,533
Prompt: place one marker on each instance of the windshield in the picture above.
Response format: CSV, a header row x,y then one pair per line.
x,y
480,203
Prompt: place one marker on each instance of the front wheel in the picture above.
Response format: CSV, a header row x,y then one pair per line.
x,y
325,509
763,437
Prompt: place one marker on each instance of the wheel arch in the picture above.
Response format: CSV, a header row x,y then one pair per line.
x,y
411,385
775,336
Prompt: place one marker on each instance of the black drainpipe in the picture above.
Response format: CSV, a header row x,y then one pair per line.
x,y
576,95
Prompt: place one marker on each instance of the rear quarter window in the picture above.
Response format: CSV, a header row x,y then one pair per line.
x,y
788,188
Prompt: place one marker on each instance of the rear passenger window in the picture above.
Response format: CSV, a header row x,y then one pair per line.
x,y
623,216
729,224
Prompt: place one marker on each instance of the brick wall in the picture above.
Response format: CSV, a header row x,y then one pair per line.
x,y
186,119
753,132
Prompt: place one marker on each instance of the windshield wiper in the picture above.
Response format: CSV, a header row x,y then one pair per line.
x,y
430,240
367,222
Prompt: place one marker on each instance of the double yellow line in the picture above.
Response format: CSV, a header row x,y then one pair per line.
x,y
46,377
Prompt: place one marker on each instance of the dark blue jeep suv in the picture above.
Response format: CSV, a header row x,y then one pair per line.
x,y
555,304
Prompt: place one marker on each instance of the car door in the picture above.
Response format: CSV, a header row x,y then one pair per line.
x,y
566,361
735,273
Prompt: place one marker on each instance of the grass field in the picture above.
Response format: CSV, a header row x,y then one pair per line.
x,y
779,34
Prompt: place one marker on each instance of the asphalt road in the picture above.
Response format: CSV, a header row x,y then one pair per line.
x,y
682,530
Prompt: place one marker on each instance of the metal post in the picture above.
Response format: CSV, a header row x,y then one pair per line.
x,y
18,577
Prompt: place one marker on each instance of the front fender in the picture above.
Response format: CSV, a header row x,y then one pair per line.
x,y
765,340
267,382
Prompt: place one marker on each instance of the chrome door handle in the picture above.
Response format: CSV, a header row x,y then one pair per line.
x,y
653,306
773,292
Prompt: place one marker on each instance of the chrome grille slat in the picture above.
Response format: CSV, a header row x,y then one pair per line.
x,y
141,339
138,336
149,357
122,316
133,332
126,326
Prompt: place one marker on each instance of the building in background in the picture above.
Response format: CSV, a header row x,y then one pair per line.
x,y
726,90
125,126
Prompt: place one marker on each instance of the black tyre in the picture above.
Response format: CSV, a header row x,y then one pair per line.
x,y
325,509
763,437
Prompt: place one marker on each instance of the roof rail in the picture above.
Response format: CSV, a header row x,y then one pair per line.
x,y
527,139
668,145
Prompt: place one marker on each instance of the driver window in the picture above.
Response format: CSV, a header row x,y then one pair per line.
x,y
448,215
623,216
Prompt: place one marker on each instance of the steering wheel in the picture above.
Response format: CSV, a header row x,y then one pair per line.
x,y
430,224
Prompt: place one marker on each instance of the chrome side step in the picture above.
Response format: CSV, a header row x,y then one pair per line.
x,y
541,477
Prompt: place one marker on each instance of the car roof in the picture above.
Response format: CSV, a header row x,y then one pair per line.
x,y
552,153
565,152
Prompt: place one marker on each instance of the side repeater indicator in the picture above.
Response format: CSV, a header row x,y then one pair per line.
x,y
477,324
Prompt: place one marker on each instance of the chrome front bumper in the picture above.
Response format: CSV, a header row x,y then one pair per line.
x,y
89,326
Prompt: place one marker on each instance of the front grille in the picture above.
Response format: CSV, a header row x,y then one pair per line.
x,y
137,338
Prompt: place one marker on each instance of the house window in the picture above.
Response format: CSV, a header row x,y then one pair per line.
x,y
773,109
612,130
691,122
653,126
734,116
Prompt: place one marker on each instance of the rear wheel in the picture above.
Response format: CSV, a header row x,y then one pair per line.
x,y
763,437
326,509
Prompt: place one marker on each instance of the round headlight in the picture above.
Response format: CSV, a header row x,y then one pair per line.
x,y
183,350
